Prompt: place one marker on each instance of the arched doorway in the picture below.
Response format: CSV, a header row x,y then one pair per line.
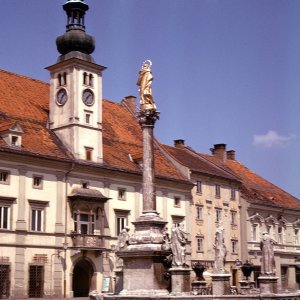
x,y
82,277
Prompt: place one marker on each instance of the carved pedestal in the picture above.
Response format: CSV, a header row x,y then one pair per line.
x,y
181,280
267,284
220,284
143,268
199,287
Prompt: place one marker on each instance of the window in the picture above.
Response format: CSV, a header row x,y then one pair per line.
x,y
37,218
88,153
177,201
198,187
254,232
296,233
85,78
15,140
121,221
91,80
87,118
218,215
232,194
37,215
233,217
121,194
37,182
280,235
4,217
84,223
199,211
199,244
234,244
4,177
176,220
218,190
85,185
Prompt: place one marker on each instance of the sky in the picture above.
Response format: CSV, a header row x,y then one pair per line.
x,y
225,71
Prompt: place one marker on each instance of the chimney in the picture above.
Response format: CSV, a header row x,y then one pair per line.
x,y
179,143
130,103
219,151
231,155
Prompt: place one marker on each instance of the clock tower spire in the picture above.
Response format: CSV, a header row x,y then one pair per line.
x,y
76,88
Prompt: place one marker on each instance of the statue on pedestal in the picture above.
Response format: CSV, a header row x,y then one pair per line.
x,y
178,245
267,248
144,82
220,250
123,238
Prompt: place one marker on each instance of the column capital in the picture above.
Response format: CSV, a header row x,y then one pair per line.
x,y
147,118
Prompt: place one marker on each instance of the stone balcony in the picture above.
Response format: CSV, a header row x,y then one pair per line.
x,y
88,241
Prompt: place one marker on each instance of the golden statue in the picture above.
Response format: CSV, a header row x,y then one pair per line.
x,y
144,82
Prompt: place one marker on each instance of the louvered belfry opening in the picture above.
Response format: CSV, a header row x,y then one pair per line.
x,y
4,281
36,282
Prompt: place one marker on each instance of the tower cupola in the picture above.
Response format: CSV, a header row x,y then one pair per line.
x,y
75,42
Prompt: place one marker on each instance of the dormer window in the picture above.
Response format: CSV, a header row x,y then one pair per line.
x,y
12,134
14,140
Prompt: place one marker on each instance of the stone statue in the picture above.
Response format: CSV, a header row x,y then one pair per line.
x,y
178,244
166,239
123,238
220,251
144,82
267,248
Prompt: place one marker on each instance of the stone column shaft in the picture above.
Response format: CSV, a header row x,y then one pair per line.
x,y
149,196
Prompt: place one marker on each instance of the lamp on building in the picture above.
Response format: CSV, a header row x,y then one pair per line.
x,y
237,263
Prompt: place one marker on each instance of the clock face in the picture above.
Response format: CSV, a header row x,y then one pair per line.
x,y
61,97
88,97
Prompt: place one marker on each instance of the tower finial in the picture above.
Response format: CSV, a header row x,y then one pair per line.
x,y
75,42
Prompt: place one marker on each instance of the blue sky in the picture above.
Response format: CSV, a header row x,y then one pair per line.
x,y
226,71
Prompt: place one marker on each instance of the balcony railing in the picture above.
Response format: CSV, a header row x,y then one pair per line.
x,y
88,241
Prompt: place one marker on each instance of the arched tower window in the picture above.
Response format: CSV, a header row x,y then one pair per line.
x,y
91,80
85,78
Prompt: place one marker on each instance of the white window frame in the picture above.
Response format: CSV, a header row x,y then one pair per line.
x,y
234,246
218,212
199,212
199,187
90,223
233,217
4,218
200,243
121,220
37,206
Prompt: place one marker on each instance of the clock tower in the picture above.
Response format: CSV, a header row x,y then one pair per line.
x,y
76,88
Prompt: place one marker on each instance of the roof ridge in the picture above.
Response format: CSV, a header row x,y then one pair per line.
x,y
24,76
199,154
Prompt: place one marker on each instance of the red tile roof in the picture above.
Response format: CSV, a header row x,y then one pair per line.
x,y
256,189
26,101
196,163
122,138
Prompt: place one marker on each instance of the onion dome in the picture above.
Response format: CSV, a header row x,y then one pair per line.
x,y
75,42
